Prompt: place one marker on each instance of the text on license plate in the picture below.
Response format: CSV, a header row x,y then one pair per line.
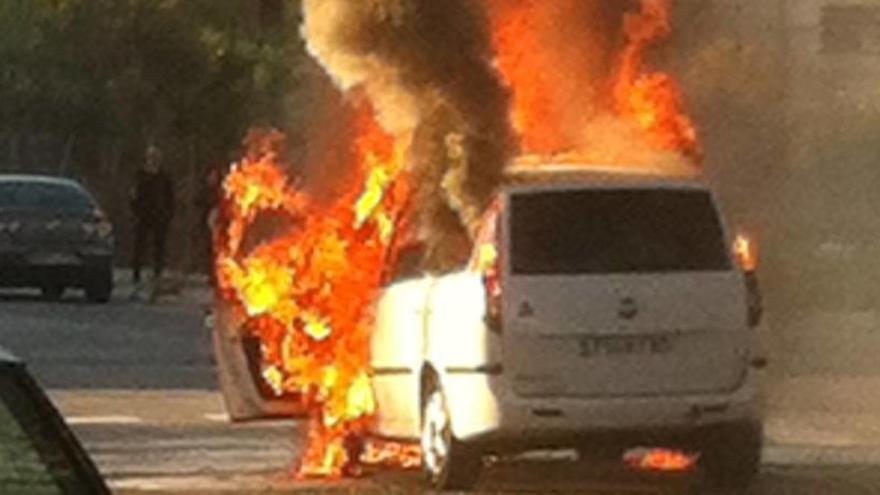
x,y
625,345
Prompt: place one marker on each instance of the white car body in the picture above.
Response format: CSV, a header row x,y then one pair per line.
x,y
571,355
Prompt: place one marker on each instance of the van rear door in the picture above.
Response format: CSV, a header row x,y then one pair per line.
x,y
620,292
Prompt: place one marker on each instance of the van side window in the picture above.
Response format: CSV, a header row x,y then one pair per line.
x,y
409,264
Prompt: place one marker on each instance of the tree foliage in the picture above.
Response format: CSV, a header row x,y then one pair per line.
x,y
85,85
144,70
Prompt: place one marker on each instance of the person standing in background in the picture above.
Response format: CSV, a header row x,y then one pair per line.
x,y
208,204
152,204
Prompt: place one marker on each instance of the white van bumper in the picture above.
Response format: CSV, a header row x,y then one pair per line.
x,y
484,408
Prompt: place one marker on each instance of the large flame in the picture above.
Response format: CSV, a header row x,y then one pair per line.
x,y
304,274
578,90
653,99
308,291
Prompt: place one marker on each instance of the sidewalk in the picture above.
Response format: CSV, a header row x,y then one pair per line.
x,y
178,288
833,412
823,388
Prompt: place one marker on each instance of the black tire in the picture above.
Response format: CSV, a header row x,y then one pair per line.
x,y
52,292
731,458
99,286
460,468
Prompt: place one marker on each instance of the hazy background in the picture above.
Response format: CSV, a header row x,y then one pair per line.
x,y
786,96
784,93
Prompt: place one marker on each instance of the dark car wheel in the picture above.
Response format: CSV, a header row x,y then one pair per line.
x,y
99,286
732,456
52,292
448,463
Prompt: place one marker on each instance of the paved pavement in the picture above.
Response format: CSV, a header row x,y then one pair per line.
x,y
126,344
559,479
823,384
136,381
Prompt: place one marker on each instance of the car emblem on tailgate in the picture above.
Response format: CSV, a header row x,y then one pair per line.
x,y
628,309
526,310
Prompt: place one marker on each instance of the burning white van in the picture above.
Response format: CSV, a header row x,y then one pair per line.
x,y
597,307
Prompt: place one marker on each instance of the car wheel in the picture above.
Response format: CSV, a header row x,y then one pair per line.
x,y
732,456
448,463
99,286
52,292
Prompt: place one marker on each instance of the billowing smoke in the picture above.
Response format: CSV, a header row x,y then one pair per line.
x,y
426,65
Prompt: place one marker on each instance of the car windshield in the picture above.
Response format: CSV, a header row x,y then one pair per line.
x,y
615,231
43,195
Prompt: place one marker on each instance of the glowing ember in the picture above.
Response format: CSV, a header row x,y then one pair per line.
x,y
660,460
307,291
392,454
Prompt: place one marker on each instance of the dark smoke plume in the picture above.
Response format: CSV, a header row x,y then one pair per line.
x,y
426,66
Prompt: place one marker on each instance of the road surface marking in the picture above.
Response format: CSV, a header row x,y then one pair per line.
x,y
217,417
104,420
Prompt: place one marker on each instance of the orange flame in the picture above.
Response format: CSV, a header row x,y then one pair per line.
x,y
392,454
308,292
536,115
663,460
746,253
653,99
307,288
561,101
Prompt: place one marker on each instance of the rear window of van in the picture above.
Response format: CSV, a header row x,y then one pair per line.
x,y
615,231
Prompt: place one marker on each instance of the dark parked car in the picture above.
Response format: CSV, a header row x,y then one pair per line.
x,y
38,452
54,236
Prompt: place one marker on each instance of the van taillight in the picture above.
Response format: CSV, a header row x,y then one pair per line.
x,y
488,263
489,266
493,303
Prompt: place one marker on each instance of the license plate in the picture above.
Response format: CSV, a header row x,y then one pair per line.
x,y
54,259
591,347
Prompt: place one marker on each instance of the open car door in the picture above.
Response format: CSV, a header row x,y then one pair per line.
x,y
248,396
245,392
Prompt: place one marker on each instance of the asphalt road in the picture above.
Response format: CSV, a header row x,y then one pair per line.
x,y
136,382
122,345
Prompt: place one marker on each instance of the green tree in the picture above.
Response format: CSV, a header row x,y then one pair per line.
x,y
105,77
